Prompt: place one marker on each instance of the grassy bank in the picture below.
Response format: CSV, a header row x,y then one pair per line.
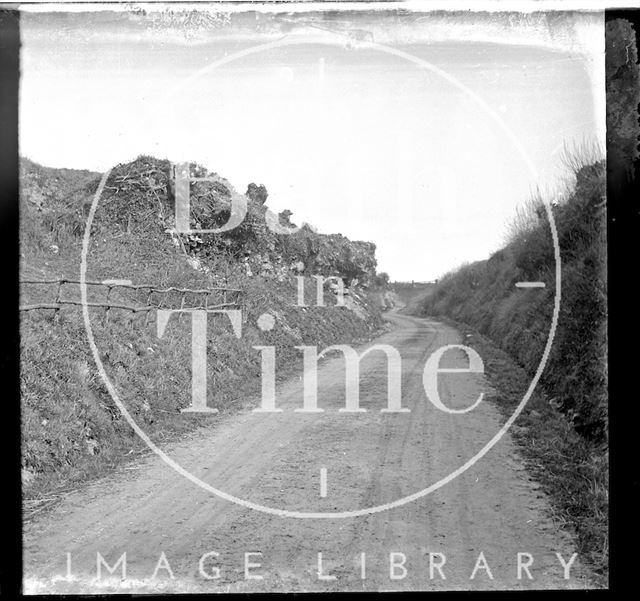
x,y
564,430
71,428
484,295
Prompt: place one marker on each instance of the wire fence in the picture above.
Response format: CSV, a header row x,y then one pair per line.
x,y
147,297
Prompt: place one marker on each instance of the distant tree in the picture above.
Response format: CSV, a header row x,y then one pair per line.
x,y
257,193
382,279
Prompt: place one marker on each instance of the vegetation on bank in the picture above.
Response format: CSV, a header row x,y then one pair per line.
x,y
484,295
71,428
566,442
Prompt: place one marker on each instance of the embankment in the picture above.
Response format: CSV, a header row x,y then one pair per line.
x,y
71,428
566,440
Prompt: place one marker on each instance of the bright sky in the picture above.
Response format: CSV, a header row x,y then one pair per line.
x,y
351,139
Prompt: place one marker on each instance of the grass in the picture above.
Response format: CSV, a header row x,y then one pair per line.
x,y
483,295
71,429
567,442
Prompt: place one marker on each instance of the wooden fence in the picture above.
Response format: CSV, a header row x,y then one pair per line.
x,y
155,298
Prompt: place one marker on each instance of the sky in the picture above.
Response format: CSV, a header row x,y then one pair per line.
x,y
350,138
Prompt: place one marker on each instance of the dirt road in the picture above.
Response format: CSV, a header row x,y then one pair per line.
x,y
473,526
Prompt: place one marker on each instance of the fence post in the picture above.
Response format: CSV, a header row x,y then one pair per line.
x,y
56,315
106,313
